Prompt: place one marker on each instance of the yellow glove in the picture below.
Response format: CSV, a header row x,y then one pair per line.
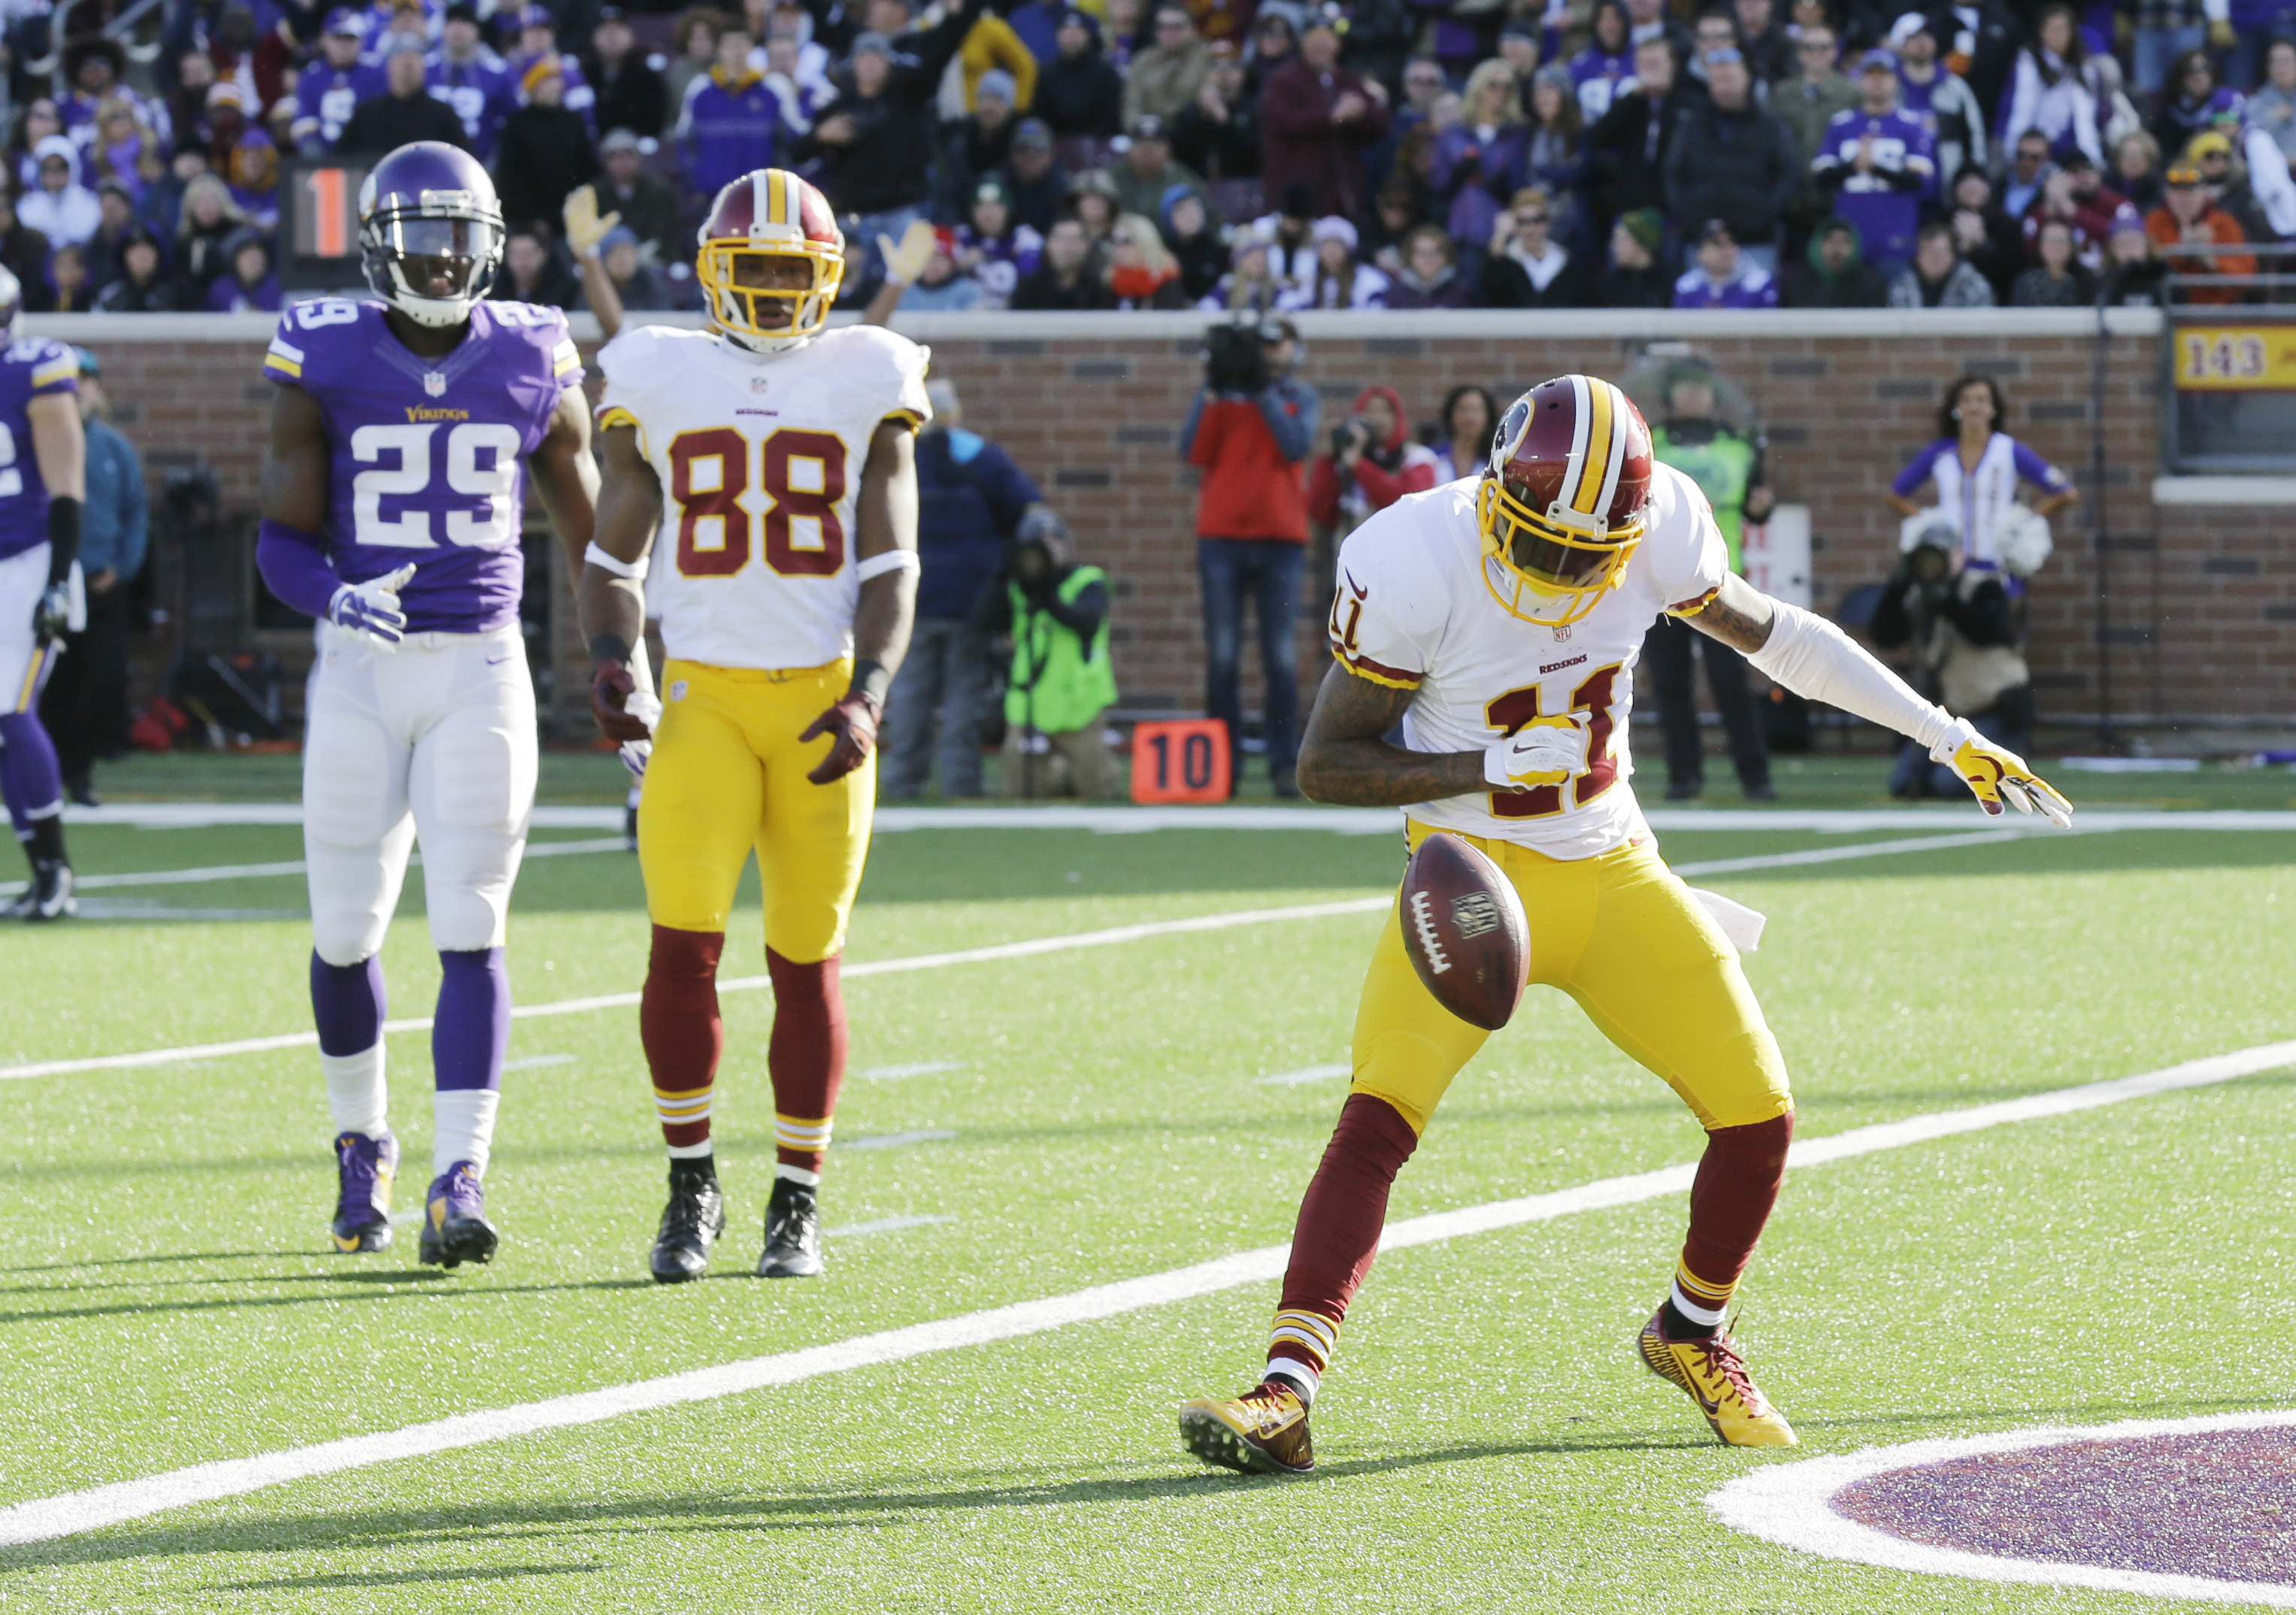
x,y
1544,751
906,258
584,228
2222,36
1994,773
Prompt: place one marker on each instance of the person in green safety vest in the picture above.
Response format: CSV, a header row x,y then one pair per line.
x,y
1727,467
1062,678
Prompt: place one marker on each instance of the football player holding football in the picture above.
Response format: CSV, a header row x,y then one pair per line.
x,y
1497,620
777,459
393,501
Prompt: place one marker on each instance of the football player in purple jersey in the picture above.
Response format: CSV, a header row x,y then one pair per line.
x,y
400,436
43,480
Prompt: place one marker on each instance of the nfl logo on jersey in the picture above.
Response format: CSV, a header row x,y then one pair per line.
x,y
434,384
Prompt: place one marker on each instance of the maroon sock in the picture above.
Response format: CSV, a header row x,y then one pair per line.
x,y
679,1024
806,1057
1338,1232
1730,1200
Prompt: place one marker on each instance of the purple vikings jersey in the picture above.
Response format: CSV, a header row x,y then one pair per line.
x,y
326,96
28,368
425,455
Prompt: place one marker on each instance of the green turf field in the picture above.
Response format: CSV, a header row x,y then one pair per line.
x,y
1488,1441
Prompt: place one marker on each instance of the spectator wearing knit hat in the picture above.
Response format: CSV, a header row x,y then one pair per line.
x,y
545,150
1078,92
647,205
1251,284
1035,185
1835,273
1337,281
1318,118
470,79
994,249
983,140
538,36
640,286
138,288
403,113
1635,275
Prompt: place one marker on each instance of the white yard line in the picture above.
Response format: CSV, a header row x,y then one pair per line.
x,y
1343,821
916,1068
289,866
45,1519
884,1224
977,955
1793,1505
895,1141
1306,1074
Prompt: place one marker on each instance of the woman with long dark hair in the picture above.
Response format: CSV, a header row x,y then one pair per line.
x,y
1977,470
1463,431
2051,90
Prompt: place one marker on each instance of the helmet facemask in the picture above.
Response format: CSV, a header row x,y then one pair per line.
x,y
432,267
758,299
1551,567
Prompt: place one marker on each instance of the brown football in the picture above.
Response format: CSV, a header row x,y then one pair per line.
x,y
1464,928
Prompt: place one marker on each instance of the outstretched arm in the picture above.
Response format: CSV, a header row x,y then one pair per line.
x,y
1814,659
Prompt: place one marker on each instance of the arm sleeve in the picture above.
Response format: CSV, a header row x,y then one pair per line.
x,y
1816,660
1917,470
294,567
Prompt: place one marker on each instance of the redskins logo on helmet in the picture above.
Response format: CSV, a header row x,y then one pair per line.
x,y
1563,499
771,259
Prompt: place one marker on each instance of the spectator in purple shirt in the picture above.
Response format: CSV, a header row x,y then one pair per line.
x,y
732,119
329,90
472,80
1881,164
251,287
1608,62
1720,276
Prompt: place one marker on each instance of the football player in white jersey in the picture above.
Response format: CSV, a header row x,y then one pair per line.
x,y
777,460
1497,620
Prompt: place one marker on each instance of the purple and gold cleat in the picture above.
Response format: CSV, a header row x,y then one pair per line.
x,y
363,1168
454,1225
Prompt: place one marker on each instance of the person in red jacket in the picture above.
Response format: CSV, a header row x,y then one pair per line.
x,y
1317,120
1250,434
1372,464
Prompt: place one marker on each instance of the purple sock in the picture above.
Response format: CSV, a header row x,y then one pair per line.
x,y
346,1002
33,783
471,1034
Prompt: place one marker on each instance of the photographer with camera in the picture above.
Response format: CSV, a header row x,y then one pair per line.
x,y
1370,464
1250,434
1962,625
1062,679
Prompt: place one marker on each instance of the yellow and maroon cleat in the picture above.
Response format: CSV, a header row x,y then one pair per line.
x,y
1715,1375
1263,1431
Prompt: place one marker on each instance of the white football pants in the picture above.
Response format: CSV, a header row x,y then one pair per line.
x,y
23,579
437,742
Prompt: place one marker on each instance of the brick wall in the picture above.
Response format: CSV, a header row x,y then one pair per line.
x,y
2204,611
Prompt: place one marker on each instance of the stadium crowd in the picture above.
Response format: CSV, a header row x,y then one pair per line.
x,y
1243,155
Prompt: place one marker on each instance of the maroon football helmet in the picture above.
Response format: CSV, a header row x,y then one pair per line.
x,y
770,216
1563,497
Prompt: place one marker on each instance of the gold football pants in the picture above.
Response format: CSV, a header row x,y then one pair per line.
x,y
727,775
1622,935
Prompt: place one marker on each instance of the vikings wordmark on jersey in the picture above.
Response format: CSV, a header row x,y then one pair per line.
x,y
425,461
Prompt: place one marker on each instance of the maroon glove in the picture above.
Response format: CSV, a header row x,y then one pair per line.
x,y
852,720
608,690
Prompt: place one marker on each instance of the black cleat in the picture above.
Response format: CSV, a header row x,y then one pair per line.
x,y
49,896
363,1168
454,1225
792,1233
690,1224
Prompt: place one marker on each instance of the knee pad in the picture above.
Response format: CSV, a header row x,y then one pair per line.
x,y
478,778
346,937
467,918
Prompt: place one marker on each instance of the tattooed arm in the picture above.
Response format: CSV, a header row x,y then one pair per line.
x,y
1344,758
1740,616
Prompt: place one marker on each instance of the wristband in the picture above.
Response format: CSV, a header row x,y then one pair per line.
x,y
632,570
63,536
891,561
871,679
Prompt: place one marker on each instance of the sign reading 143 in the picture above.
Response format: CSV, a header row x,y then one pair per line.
x,y
2228,357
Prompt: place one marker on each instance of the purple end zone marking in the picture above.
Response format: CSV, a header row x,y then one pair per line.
x,y
2220,1504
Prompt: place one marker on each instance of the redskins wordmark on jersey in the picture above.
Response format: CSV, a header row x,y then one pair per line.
x,y
760,463
1421,605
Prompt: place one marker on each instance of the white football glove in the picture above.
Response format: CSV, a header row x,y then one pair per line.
x,y
1544,751
644,706
370,609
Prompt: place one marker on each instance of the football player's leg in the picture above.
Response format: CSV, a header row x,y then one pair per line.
x,y
30,779
810,853
1663,983
356,835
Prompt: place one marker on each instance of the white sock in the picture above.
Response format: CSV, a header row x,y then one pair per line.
x,y
1291,1368
357,1093
463,1127
799,1175
691,1152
